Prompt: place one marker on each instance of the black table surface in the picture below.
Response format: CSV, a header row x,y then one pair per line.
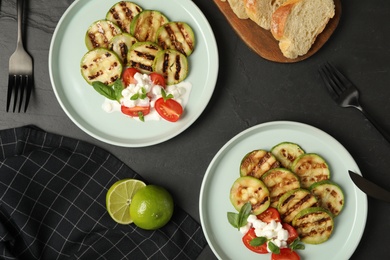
x,y
250,90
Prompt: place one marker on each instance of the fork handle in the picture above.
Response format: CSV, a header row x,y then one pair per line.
x,y
381,130
19,6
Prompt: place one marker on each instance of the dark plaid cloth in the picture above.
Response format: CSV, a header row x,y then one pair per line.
x,y
52,204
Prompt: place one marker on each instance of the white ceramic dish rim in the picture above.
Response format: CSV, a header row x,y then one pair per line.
x,y
225,241
67,48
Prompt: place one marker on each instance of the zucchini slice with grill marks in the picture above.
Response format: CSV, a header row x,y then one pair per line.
x,y
172,65
101,64
121,45
249,189
314,225
178,36
330,196
286,153
279,181
122,13
292,202
311,168
142,55
257,162
100,33
145,25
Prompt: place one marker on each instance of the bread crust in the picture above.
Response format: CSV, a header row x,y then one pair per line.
x,y
260,11
279,18
298,41
238,8
294,23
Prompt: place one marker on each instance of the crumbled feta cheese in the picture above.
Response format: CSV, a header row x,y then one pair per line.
x,y
245,228
258,224
273,231
107,107
147,94
282,234
251,218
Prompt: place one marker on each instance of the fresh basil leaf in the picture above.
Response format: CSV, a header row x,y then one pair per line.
x,y
134,97
144,93
258,241
274,248
118,88
239,219
104,90
141,116
164,95
233,219
297,245
244,213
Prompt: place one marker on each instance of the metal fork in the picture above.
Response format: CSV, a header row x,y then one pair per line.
x,y
20,79
345,93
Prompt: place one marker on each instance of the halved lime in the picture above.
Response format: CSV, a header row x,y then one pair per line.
x,y
118,199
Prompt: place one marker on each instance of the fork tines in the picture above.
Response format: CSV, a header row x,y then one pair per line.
x,y
18,85
334,80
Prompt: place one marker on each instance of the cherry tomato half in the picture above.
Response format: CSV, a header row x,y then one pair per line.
x,y
292,233
247,238
128,76
157,79
270,214
168,109
286,254
135,111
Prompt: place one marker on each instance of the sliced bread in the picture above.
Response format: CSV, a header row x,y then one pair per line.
x,y
260,11
297,23
238,8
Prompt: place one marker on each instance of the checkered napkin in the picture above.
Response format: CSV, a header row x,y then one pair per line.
x,y
52,204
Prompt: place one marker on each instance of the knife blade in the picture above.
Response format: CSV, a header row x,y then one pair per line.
x,y
370,188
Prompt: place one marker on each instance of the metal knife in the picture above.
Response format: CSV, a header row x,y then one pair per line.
x,y
370,188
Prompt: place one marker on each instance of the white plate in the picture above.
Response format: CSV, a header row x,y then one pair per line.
x,y
83,105
225,241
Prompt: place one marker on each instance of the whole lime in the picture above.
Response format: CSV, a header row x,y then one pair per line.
x,y
151,207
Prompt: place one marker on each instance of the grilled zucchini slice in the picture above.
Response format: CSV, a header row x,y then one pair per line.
x,y
122,13
286,153
314,225
257,162
279,181
102,65
142,55
121,45
176,35
249,189
145,25
100,33
311,168
292,202
330,196
172,65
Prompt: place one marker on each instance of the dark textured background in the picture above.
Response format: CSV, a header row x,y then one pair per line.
x,y
249,91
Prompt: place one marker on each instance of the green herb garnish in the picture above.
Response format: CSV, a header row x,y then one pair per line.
x,y
141,95
141,116
165,96
258,241
239,219
273,248
297,245
118,88
104,90
112,93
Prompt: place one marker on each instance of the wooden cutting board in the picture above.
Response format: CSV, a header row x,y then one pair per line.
x,y
264,44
